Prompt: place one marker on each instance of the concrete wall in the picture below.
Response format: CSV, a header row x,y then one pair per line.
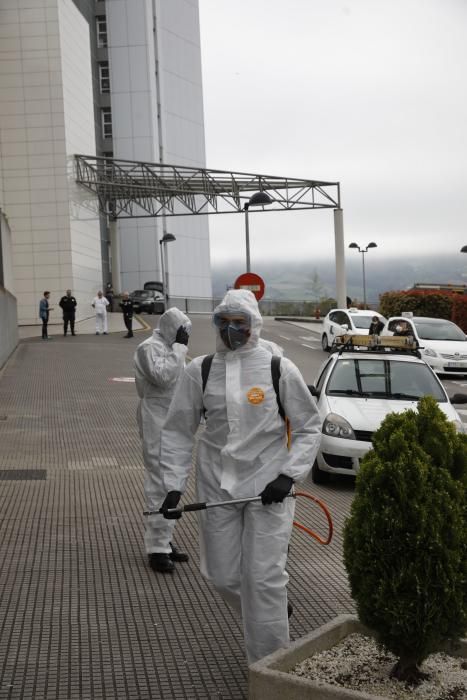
x,y
46,114
8,325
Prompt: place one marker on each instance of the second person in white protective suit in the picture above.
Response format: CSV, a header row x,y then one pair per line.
x,y
243,453
159,363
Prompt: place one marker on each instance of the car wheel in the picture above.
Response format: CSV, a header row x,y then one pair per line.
x,y
318,476
324,342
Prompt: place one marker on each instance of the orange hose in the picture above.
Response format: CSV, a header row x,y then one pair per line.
x,y
327,514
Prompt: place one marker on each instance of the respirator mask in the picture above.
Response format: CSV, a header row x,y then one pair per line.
x,y
234,329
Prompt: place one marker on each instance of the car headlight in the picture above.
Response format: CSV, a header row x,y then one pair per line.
x,y
429,352
336,426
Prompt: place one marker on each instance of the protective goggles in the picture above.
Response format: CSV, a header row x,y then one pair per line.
x,y
240,322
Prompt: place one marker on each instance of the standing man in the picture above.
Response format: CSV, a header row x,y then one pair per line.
x,y
127,308
100,304
159,363
243,453
68,305
109,295
44,310
376,326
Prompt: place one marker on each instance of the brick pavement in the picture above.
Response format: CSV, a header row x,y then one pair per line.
x,y
81,614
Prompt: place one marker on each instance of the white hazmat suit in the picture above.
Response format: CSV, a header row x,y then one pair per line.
x,y
159,363
100,304
243,547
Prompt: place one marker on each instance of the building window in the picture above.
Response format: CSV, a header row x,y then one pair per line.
x,y
104,77
101,32
106,115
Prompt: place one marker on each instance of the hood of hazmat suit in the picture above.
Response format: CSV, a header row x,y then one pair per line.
x,y
159,361
239,303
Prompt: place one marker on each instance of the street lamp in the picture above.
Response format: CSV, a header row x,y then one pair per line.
x,y
363,251
166,238
257,199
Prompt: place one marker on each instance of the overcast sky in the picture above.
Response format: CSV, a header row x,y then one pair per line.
x,y
371,93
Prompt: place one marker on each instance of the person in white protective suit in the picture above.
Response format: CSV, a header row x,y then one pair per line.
x,y
273,347
243,453
100,304
159,362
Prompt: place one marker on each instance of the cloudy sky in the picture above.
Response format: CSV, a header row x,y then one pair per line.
x,y
371,93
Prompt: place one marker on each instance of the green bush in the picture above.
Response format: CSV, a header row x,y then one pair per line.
x,y
405,542
421,303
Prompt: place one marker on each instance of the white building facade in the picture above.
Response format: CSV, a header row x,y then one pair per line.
x,y
120,78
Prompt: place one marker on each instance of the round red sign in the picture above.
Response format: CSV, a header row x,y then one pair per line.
x,y
251,281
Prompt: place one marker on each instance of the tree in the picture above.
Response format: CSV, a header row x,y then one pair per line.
x,y
405,543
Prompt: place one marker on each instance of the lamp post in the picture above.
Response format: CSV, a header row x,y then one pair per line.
x,y
166,238
363,251
257,199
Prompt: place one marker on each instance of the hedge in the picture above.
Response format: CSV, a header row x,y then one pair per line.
x,y
421,302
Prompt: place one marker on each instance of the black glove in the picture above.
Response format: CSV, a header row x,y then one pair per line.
x,y
171,501
276,490
182,336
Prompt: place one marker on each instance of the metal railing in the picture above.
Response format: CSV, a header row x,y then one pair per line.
x,y
267,307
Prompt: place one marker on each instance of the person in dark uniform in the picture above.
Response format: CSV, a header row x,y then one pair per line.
x,y
68,305
376,326
109,295
127,308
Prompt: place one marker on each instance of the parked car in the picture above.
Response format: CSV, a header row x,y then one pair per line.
x,y
148,300
355,390
350,321
443,345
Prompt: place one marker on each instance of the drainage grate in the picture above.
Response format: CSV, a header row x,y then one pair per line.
x,y
23,474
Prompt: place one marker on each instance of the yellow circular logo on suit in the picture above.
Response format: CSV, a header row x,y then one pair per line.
x,y
255,395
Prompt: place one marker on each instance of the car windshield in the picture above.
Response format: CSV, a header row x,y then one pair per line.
x,y
361,321
432,330
383,378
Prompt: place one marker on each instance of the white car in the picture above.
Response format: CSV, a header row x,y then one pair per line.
x,y
356,389
346,321
443,345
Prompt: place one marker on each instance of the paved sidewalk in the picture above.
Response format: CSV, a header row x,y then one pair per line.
x,y
81,614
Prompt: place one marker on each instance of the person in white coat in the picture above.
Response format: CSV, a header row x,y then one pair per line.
x,y
159,362
243,453
100,304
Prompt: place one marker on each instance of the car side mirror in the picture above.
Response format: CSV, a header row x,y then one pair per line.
x,y
458,398
313,390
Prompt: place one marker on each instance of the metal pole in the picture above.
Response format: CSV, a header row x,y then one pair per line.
x,y
364,283
166,260
341,287
163,273
115,256
247,239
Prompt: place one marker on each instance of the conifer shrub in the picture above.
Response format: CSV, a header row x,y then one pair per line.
x,y
405,542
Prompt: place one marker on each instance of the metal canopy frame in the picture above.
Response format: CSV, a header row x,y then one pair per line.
x,y
134,189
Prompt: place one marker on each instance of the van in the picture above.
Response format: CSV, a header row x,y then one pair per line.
x,y
157,286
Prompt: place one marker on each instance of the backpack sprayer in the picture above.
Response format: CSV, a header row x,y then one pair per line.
x,y
217,504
